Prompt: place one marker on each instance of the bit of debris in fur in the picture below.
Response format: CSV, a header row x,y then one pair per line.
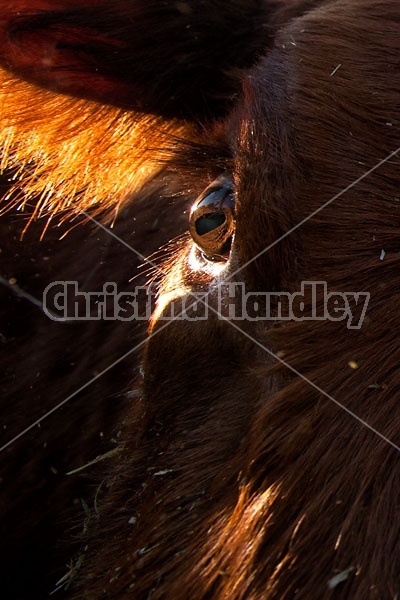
x,y
164,472
336,69
66,581
339,578
95,461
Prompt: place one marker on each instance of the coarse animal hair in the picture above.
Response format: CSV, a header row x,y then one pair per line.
x,y
257,459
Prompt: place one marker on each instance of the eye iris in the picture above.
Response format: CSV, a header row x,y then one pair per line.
x,y
212,221
208,222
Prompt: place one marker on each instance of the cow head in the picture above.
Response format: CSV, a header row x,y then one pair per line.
x,y
261,460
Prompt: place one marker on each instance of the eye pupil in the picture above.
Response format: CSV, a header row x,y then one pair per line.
x,y
212,222
208,222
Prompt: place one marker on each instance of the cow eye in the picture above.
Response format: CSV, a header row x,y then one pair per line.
x,y
212,220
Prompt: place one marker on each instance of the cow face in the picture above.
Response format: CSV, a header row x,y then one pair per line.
x,y
269,422
261,457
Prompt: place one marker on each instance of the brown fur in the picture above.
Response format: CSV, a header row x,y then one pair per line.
x,y
257,463
80,155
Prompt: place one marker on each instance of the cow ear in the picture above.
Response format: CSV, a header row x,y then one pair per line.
x,y
93,91
172,58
